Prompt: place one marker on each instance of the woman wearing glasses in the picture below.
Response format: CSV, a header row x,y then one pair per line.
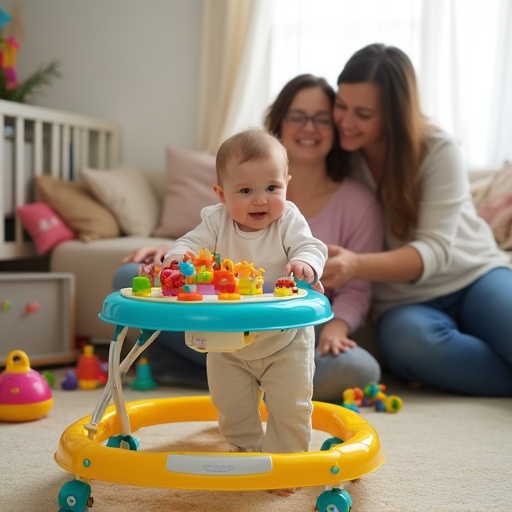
x,y
340,212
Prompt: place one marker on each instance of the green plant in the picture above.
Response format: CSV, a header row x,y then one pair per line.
x,y
10,87
27,89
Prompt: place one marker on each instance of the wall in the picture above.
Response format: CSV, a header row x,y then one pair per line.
x,y
133,62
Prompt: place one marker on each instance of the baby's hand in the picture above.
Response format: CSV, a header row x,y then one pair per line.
x,y
304,272
300,270
170,258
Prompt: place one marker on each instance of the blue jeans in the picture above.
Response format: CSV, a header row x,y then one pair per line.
x,y
461,342
173,362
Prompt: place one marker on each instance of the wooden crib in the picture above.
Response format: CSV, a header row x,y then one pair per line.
x,y
44,141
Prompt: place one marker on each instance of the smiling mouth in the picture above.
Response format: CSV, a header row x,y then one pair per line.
x,y
258,215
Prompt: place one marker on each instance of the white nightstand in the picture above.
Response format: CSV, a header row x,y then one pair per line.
x,y
37,316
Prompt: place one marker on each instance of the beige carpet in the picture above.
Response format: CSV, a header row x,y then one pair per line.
x,y
444,453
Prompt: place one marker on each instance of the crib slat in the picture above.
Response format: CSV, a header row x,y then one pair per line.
x,y
102,145
55,154
3,177
76,154
19,196
64,154
38,148
85,154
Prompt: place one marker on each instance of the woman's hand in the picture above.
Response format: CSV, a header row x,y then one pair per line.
x,y
340,266
334,338
149,254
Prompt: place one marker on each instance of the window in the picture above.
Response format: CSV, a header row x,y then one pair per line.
x,y
458,48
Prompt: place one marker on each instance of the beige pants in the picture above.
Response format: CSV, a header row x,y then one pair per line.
x,y
286,377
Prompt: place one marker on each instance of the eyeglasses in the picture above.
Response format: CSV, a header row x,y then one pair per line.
x,y
298,119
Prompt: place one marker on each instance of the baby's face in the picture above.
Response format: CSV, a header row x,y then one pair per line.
x,y
255,191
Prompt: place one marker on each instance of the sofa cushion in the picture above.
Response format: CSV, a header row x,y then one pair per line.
x,y
188,189
128,195
77,207
496,207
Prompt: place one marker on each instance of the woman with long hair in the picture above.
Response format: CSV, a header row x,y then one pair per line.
x,y
442,287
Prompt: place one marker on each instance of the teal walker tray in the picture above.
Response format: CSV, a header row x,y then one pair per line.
x,y
251,313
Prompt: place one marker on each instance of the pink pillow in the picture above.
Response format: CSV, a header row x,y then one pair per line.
x,y
188,189
496,208
44,226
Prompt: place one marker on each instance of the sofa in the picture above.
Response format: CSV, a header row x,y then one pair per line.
x,y
175,198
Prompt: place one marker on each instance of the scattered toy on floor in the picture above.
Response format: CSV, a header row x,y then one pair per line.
x,y
24,393
143,379
49,377
88,369
372,395
70,381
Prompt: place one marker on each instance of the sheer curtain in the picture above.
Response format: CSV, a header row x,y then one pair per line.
x,y
224,32
461,49
234,64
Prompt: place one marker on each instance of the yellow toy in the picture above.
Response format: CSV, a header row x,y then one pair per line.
x,y
250,279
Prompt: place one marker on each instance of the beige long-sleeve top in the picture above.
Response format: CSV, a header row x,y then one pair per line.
x,y
287,238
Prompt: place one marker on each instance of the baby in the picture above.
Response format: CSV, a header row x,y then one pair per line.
x,y
254,222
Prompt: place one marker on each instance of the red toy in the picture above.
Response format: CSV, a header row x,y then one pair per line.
x,y
285,286
171,280
88,369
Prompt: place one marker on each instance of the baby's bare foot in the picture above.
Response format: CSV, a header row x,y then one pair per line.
x,y
283,492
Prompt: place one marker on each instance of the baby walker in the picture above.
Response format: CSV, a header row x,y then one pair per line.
x,y
102,447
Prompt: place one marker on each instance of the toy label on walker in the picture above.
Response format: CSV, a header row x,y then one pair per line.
x,y
218,465
157,296
218,341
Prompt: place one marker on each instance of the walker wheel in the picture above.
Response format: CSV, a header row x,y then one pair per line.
x,y
334,500
75,496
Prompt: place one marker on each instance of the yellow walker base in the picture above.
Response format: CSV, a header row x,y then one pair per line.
x,y
359,454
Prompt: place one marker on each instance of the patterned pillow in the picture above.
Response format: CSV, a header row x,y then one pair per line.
x,y
44,226
496,208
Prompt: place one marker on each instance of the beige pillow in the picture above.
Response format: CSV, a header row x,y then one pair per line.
x,y
78,209
128,195
496,208
189,179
